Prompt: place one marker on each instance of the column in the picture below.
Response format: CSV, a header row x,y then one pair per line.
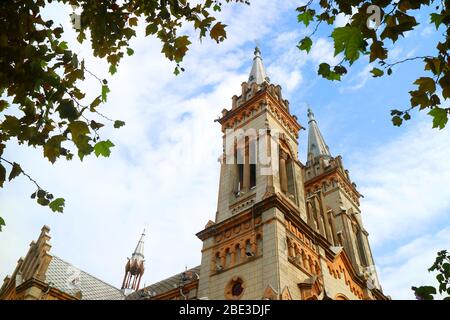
x,y
283,172
325,218
246,180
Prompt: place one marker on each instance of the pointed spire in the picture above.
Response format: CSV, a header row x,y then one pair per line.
x,y
138,253
316,142
258,72
134,269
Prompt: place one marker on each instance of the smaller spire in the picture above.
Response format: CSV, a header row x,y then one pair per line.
x,y
134,268
258,73
316,142
138,253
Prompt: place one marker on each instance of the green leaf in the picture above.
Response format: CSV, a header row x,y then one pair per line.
x,y
397,121
57,205
327,73
440,117
324,70
15,171
377,72
103,148
3,105
437,19
426,84
118,124
377,51
2,223
306,17
77,129
425,292
305,44
133,21
94,104
112,69
2,175
52,148
130,51
43,201
63,45
218,32
105,91
151,29
444,82
96,125
67,110
349,40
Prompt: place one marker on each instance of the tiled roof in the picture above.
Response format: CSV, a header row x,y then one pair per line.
x,y
71,280
166,284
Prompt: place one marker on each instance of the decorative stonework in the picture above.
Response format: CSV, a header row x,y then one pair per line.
x,y
301,236
262,101
311,288
341,269
286,294
241,204
234,289
333,176
270,293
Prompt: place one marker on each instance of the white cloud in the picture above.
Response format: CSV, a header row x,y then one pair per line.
x,y
405,184
359,80
408,265
323,51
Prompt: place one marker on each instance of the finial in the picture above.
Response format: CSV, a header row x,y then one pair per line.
x,y
310,114
257,52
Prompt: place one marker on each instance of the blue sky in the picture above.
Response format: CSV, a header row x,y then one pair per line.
x,y
163,172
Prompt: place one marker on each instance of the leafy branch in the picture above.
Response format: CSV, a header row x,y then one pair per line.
x,y
360,37
40,75
442,267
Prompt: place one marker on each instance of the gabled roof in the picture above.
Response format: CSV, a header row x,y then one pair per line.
x,y
69,279
166,285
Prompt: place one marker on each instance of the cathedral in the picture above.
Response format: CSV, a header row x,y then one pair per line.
x,y
283,229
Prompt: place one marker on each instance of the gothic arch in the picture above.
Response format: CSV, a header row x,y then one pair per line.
x,y
340,296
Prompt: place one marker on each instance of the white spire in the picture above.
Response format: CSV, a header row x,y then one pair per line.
x,y
258,73
138,253
316,143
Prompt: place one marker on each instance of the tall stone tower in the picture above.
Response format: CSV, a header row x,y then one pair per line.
x,y
282,230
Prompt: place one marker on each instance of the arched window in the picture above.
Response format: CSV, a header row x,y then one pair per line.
x,y
218,262
237,252
245,159
287,174
248,248
228,258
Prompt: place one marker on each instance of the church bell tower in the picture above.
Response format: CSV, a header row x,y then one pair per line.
x,y
277,234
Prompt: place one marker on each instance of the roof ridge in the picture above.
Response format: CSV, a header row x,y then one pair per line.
x,y
176,274
92,276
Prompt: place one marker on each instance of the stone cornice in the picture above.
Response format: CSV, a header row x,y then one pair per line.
x,y
253,103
